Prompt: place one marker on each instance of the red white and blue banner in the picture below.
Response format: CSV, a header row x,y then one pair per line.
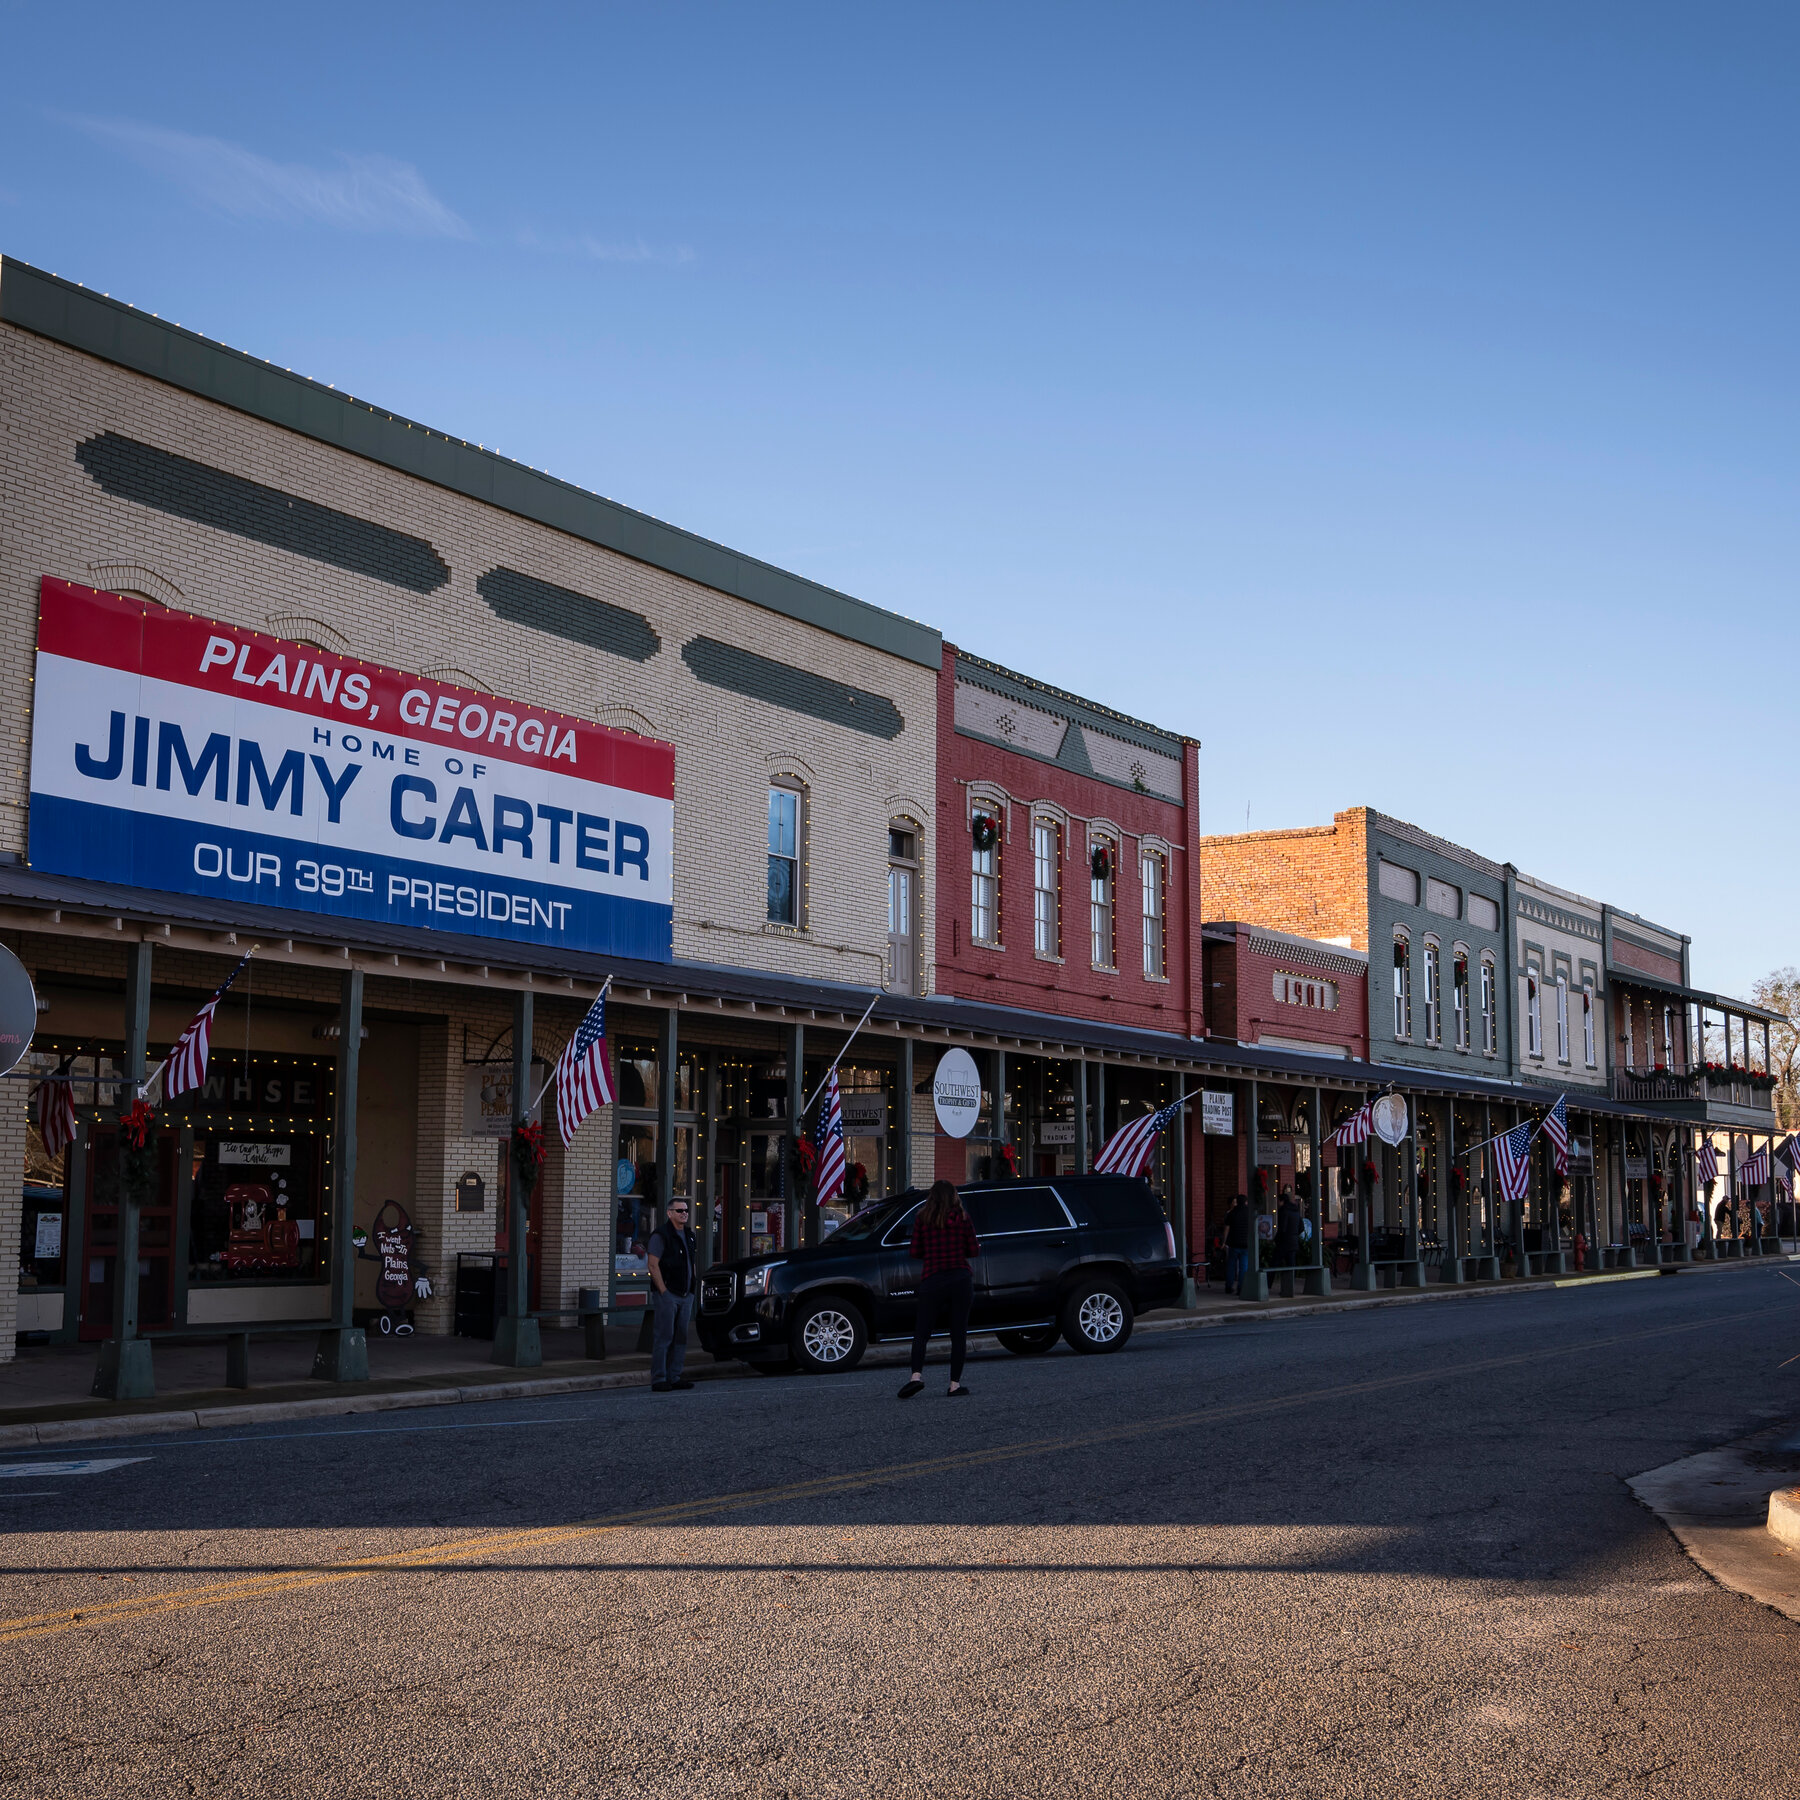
x,y
173,752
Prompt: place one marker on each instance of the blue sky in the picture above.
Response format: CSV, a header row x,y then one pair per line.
x,y
1399,399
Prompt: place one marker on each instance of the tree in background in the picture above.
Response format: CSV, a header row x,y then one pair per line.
x,y
1780,993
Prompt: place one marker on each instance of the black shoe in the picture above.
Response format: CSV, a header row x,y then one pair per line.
x,y
660,1387
956,1393
912,1387
681,1384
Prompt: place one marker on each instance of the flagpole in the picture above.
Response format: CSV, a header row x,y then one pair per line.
x,y
860,1023
155,1074
605,988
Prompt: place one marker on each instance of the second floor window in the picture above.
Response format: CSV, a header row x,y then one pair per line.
x,y
1459,997
1046,887
1668,1044
1154,965
1402,988
1434,1011
1587,1026
1534,1015
984,879
1562,1018
1630,1046
784,856
1103,862
1490,1011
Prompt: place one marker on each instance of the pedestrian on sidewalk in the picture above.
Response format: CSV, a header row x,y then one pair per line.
x,y
944,1243
1240,1233
1287,1231
674,1260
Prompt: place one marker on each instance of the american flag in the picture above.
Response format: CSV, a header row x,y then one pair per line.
x,y
1556,1129
1512,1158
56,1111
582,1079
1706,1161
1356,1128
185,1066
828,1140
1128,1150
1755,1171
1790,1154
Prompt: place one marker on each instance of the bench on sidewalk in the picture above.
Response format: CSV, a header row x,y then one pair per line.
x,y
235,1338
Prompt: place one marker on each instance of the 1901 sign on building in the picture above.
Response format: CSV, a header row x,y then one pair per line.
x,y
171,752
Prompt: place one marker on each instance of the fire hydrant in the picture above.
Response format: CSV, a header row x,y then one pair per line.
x,y
1580,1253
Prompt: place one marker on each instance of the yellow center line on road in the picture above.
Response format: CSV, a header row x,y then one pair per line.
x,y
457,1552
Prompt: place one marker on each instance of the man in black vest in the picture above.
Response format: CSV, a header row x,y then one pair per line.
x,y
674,1259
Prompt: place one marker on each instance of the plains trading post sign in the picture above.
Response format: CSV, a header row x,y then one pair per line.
x,y
173,752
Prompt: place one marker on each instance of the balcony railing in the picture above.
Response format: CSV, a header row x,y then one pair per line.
x,y
1655,1086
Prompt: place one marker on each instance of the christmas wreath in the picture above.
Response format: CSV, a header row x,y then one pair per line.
x,y
1370,1174
1100,861
807,1156
984,831
1459,1182
137,1150
528,1153
1009,1163
856,1188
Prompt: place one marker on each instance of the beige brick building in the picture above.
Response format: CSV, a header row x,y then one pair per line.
x,y
139,459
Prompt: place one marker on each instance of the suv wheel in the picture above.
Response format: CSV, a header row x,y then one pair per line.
x,y
1096,1318
828,1336
1029,1343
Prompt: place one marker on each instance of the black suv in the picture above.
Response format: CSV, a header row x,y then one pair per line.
x,y
1072,1255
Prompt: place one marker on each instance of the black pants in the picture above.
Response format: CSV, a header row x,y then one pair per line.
x,y
951,1290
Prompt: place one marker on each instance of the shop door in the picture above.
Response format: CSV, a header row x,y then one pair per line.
x,y
100,1238
727,1243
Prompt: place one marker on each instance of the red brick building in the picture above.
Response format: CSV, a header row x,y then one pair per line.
x,y
1286,993
1068,871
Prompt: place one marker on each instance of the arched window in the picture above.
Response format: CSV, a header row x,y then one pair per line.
x,y
1434,999
1046,885
986,828
1562,1017
1490,1008
1402,986
1587,1023
1534,1013
787,852
1459,996
1103,868
1155,886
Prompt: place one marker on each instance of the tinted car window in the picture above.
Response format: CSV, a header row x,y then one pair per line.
x,y
870,1224
901,1231
1015,1209
1114,1203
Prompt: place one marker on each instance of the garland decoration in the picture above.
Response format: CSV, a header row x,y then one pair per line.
x,y
528,1153
137,1150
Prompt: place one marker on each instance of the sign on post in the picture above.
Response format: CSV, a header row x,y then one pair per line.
x,y
1216,1114
956,1093
200,758
1390,1119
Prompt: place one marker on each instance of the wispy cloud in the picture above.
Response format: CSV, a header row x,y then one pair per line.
x,y
358,193
594,249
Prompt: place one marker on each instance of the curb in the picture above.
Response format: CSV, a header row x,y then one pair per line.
x,y
269,1412
1784,1515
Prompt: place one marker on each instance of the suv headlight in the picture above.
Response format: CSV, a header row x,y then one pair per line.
x,y
757,1280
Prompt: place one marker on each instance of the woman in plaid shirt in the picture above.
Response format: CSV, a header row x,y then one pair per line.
x,y
944,1242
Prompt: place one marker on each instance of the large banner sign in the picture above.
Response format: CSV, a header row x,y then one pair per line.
x,y
172,752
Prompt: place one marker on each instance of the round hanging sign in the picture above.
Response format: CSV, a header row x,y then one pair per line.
x,y
956,1093
18,1010
1390,1119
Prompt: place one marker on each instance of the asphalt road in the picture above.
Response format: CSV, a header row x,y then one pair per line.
x,y
1380,1553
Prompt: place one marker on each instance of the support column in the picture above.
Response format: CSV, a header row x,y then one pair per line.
x,y
1450,1270
1081,1116
1099,1107
1178,1198
1362,1277
1318,1277
999,1113
517,1343
796,1097
343,1352
1488,1267
1736,1245
124,1370
1412,1273
1255,1285
903,1119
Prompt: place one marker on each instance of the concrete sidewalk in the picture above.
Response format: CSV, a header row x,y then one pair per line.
x,y
44,1396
